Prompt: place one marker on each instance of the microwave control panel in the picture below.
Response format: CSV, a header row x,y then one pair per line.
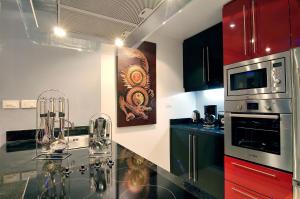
x,y
278,75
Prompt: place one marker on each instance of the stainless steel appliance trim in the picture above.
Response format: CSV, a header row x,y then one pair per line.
x,y
257,66
255,170
207,55
284,161
253,27
256,95
296,116
245,43
190,151
243,193
255,116
203,63
264,106
194,159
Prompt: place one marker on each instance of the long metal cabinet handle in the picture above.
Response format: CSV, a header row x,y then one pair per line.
x,y
255,170
194,159
207,55
243,193
203,62
245,41
253,27
190,151
275,117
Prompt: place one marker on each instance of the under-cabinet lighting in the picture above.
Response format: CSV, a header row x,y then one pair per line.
x,y
214,94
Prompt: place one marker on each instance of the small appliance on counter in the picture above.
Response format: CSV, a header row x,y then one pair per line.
x,y
221,119
210,112
196,117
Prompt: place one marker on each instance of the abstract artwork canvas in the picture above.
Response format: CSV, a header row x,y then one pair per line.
x,y
136,85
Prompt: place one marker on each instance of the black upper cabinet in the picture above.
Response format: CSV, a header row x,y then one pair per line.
x,y
203,60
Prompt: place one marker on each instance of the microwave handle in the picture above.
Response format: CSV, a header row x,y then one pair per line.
x,y
275,117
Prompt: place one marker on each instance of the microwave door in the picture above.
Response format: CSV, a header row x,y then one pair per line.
x,y
249,80
296,111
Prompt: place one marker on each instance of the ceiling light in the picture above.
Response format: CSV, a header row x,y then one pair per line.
x,y
179,11
58,31
119,42
164,23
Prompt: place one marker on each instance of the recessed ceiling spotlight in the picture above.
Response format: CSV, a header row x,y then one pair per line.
x,y
164,23
119,42
59,31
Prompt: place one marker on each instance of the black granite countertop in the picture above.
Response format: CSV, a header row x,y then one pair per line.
x,y
187,124
131,176
198,128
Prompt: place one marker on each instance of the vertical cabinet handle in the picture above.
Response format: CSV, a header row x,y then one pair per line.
x,y
207,56
194,159
203,63
190,152
245,41
243,193
253,27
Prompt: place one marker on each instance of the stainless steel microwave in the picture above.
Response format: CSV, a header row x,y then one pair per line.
x,y
267,77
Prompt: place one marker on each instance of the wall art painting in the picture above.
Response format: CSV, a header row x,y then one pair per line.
x,y
136,85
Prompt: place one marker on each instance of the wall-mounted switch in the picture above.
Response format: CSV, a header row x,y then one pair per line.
x,y
10,104
28,104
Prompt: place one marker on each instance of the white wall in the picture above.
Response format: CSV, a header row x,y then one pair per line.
x,y
210,97
150,141
27,69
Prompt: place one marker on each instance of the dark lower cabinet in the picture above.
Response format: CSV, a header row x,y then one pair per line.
x,y
203,60
198,158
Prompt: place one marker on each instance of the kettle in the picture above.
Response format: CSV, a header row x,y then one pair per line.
x,y
196,116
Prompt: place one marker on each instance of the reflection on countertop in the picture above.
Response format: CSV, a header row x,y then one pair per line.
x,y
131,176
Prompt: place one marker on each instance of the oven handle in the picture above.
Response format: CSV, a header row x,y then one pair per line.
x,y
255,116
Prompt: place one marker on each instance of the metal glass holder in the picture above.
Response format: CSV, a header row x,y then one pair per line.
x,y
100,136
52,135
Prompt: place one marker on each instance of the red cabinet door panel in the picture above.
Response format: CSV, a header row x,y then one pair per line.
x,y
270,26
236,31
295,22
234,191
264,180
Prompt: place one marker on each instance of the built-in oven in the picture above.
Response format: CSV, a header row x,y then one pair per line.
x,y
261,78
260,131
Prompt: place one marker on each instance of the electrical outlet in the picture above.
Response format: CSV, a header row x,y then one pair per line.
x,y
27,104
10,104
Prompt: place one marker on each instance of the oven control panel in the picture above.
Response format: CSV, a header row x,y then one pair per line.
x,y
278,75
259,106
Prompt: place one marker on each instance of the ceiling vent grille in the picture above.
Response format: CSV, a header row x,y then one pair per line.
x,y
107,19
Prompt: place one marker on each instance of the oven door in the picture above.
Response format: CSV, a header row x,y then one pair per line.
x,y
249,80
262,138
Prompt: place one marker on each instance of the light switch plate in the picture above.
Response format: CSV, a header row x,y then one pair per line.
x,y
10,104
28,104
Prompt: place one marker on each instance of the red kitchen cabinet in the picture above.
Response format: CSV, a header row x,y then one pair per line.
x,y
270,27
234,191
260,179
255,28
295,22
236,31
